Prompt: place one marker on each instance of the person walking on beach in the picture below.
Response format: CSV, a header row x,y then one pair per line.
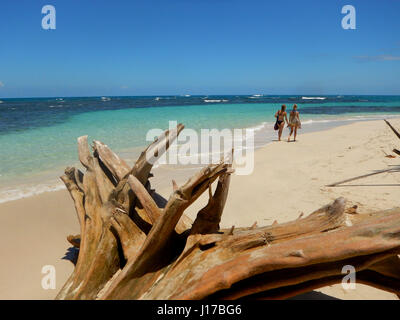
x,y
294,122
280,116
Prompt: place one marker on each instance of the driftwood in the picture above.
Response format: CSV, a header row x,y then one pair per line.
x,y
133,244
396,133
393,129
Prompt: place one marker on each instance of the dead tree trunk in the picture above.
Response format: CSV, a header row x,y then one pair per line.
x,y
133,246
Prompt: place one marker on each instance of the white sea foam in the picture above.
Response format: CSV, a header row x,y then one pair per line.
x,y
311,121
105,99
28,191
258,127
216,100
352,118
313,98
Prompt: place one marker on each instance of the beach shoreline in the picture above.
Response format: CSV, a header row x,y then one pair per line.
x,y
48,181
288,179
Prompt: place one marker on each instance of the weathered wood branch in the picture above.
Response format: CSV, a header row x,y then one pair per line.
x,y
131,247
396,151
152,210
117,166
208,218
393,129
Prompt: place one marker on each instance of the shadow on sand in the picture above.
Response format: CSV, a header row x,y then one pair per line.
x,y
313,295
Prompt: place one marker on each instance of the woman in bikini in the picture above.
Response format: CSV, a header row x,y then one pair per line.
x,y
294,122
280,116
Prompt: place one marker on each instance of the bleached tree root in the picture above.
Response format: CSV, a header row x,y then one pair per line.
x,y
134,246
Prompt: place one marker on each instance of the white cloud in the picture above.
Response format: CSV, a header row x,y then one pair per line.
x,y
124,87
388,58
381,57
1,84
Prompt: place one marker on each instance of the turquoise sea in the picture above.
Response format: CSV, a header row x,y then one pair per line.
x,y
38,135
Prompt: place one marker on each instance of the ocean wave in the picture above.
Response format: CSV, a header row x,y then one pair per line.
x,y
313,98
311,121
216,100
258,127
28,191
353,118
371,117
105,99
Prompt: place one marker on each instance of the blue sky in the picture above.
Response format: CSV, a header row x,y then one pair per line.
x,y
198,47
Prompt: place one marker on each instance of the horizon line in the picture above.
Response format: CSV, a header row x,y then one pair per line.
x,y
197,95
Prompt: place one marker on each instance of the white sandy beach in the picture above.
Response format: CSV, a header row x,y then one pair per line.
x,y
288,179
